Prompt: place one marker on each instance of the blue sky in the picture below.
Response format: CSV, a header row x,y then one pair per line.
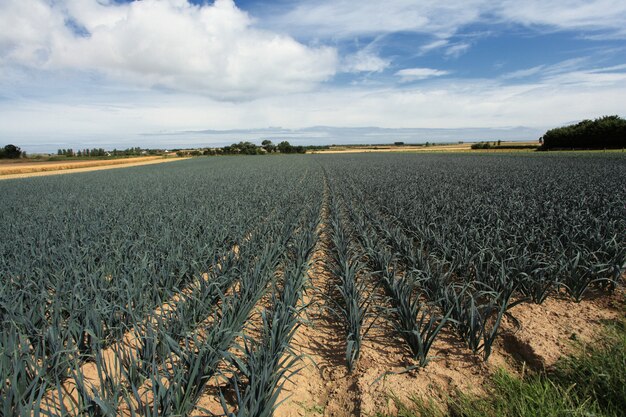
x,y
165,73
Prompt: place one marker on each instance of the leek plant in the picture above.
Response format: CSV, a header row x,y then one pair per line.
x,y
350,300
264,364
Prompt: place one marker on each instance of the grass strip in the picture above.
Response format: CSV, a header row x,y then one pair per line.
x,y
592,382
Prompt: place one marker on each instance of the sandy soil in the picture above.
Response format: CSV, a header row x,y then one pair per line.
x,y
548,331
324,388
36,169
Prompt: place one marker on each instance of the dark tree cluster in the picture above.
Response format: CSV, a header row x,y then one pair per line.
x,y
95,152
481,145
249,148
242,148
11,152
286,147
605,132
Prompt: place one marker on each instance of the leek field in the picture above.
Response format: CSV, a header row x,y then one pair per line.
x,y
143,291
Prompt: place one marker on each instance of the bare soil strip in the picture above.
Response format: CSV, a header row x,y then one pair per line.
x,y
42,169
322,386
550,330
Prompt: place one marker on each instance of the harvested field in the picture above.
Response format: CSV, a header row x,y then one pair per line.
x,y
35,169
460,147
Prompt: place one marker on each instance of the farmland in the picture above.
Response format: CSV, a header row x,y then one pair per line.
x,y
12,168
247,284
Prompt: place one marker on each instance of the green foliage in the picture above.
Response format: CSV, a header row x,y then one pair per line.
x,y
481,145
286,147
351,304
268,146
91,153
529,396
100,267
267,362
597,371
473,240
242,148
453,240
604,132
11,152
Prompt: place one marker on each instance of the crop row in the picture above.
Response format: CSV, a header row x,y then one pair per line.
x,y
459,243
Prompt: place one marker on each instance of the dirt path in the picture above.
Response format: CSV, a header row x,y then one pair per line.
x,y
31,170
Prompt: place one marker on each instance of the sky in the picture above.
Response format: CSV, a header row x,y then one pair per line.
x,y
176,73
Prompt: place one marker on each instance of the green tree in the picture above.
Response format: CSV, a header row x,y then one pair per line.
x,y
285,147
268,146
11,152
603,132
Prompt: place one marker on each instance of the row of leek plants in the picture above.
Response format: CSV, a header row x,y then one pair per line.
x,y
424,291
63,358
350,299
264,364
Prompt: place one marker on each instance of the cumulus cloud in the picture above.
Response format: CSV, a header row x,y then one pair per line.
x,y
414,74
212,49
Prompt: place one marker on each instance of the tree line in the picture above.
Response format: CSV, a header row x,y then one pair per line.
x,y
84,152
607,132
249,148
12,152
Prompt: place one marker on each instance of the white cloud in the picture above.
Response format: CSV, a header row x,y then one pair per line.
x,y
566,66
456,50
364,61
342,18
208,49
591,15
201,55
436,44
523,73
414,74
